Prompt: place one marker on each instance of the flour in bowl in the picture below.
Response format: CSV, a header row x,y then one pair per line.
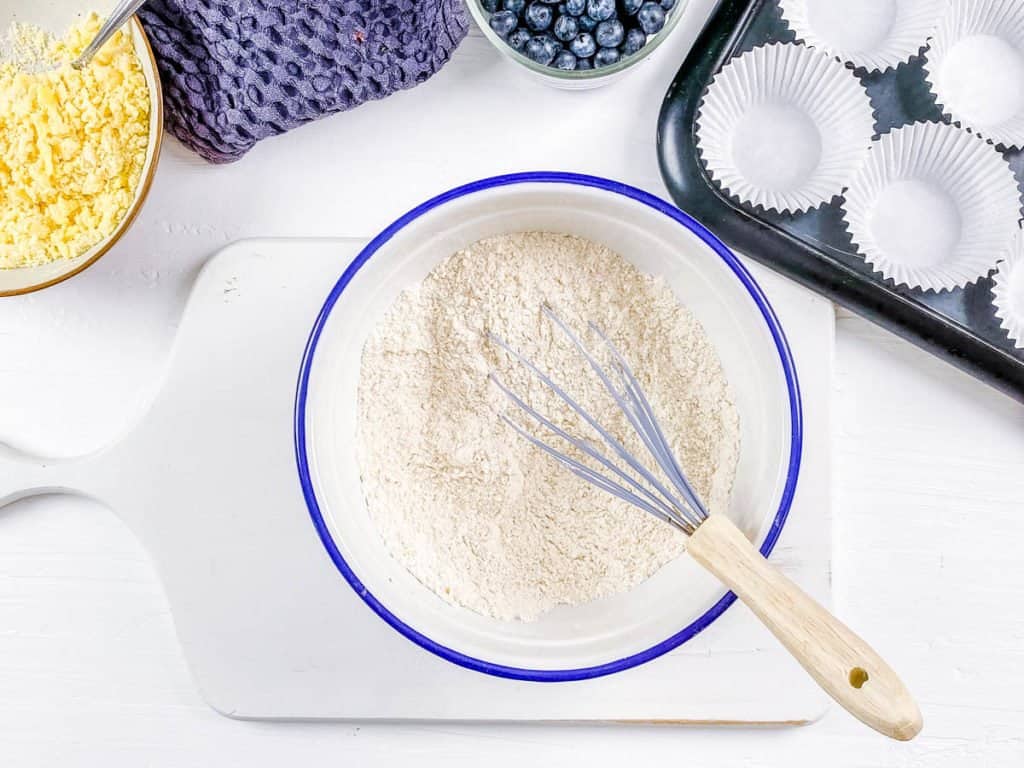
x,y
477,514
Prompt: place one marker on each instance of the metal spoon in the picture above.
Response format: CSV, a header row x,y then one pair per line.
x,y
121,13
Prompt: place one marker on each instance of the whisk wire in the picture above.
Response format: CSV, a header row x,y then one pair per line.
x,y
686,515
633,402
673,503
583,445
629,409
597,479
665,455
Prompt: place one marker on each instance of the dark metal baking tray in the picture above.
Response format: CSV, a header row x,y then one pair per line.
x,y
814,248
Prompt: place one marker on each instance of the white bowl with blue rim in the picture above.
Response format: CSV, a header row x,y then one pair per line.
x,y
616,632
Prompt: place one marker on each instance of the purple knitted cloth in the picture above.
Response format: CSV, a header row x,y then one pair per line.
x,y
237,71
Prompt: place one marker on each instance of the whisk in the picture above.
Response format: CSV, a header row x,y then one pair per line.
x,y
846,667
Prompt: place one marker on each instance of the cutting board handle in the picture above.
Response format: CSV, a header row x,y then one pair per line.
x,y
23,475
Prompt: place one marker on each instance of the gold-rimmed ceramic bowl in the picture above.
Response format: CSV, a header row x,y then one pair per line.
x,y
56,16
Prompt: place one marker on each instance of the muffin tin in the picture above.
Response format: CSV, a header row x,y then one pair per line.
x,y
815,247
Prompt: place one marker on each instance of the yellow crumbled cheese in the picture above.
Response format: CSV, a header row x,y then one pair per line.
x,y
72,144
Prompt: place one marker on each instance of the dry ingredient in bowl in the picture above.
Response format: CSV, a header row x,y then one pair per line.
x,y
72,143
472,510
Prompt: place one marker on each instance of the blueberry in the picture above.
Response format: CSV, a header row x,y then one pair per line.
x,y
668,5
609,33
551,2
538,17
542,49
584,64
489,5
584,45
519,38
516,6
565,28
631,6
503,22
606,57
599,10
564,60
575,7
635,40
651,17
587,24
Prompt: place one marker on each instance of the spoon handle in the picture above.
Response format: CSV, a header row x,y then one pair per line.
x,y
849,670
121,13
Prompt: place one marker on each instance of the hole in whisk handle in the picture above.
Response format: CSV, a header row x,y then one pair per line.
x,y
859,676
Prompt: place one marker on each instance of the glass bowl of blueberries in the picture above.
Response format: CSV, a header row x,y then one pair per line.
x,y
576,43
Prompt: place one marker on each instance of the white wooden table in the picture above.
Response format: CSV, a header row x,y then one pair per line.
x,y
930,466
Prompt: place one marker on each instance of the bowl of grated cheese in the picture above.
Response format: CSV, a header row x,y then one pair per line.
x,y
78,148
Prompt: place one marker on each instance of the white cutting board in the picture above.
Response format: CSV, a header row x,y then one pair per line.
x,y
270,629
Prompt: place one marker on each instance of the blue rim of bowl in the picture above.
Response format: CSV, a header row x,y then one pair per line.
x,y
781,345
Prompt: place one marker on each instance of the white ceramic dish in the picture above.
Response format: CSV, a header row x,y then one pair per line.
x,y
613,633
56,16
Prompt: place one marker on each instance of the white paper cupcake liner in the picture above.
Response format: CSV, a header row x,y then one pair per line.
x,y
1008,292
975,68
874,34
933,207
784,127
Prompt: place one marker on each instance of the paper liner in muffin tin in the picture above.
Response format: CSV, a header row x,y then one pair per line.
x,y
975,67
933,206
1008,292
874,34
784,127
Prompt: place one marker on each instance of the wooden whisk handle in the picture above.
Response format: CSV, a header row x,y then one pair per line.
x,y
846,667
